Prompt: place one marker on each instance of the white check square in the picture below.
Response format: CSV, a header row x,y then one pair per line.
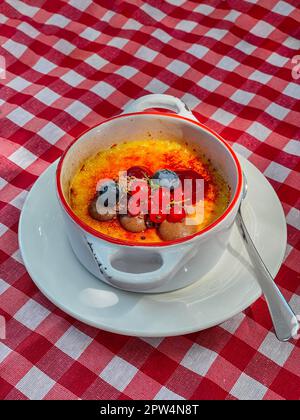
x,y
260,77
277,60
156,86
204,9
295,300
103,89
80,5
288,250
247,389
47,96
118,373
96,61
275,350
165,394
233,324
292,90
3,286
153,341
72,78
19,200
24,8
3,18
3,183
217,34
162,36
283,8
31,314
277,172
35,384
107,16
242,97
176,2
198,51
73,342
20,116
127,71
293,219
178,67
58,20
154,12
227,63
259,131
199,359
4,351
118,42
28,30
51,133
90,34
18,84
242,150
223,117
245,47
291,42
145,53
18,257
132,24
3,229
44,66
2,72
78,110
63,46
209,83
190,100
293,147
277,111
15,48
232,16
186,26
262,29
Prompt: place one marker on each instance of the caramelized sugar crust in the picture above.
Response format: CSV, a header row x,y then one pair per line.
x,y
154,155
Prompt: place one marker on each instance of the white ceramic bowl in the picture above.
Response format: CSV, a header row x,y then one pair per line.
x,y
149,267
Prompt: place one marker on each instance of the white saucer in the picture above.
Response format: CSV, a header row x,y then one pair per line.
x,y
227,290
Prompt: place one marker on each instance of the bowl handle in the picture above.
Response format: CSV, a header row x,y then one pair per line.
x,y
158,100
171,260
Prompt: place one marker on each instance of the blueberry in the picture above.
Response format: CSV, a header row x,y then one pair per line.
x,y
108,193
149,224
166,178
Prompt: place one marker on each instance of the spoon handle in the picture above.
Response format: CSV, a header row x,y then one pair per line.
x,y
284,320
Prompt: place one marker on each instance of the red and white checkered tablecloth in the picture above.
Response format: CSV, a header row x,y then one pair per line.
x,y
70,64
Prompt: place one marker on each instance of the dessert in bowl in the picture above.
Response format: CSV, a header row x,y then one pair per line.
x,y
151,164
135,247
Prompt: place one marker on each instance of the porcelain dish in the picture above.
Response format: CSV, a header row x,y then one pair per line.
x,y
149,267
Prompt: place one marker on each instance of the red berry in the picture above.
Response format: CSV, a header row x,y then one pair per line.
x,y
134,207
177,195
138,185
190,197
177,214
159,201
139,192
138,172
158,204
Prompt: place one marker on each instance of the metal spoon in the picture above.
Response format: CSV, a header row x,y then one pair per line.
x,y
285,322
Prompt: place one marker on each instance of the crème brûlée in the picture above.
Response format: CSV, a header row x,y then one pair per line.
x,y
153,155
